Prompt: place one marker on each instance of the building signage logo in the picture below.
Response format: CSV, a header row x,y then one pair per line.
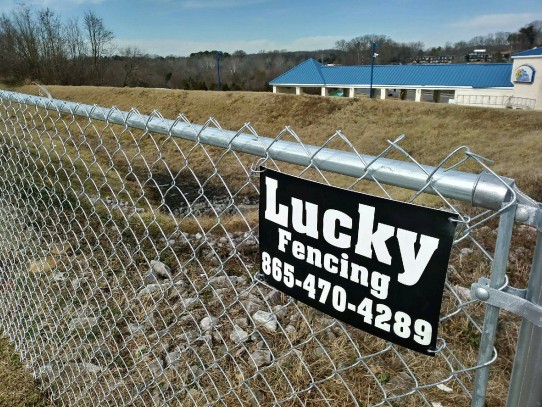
x,y
373,263
523,74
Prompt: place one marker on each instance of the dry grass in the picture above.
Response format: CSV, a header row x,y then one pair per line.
x,y
511,138
17,387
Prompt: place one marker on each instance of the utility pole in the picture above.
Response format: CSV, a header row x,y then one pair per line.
x,y
218,68
373,55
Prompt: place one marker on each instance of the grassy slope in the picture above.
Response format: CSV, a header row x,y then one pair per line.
x,y
511,138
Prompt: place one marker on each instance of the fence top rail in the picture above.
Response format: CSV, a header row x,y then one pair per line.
x,y
485,190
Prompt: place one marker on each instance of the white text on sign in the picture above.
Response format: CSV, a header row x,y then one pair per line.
x,y
368,241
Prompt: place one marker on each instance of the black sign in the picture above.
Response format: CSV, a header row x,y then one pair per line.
x,y
376,264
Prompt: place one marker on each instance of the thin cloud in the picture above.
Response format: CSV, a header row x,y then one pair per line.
x,y
8,5
314,43
495,22
74,2
47,3
199,4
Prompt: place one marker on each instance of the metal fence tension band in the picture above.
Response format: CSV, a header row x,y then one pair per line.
x,y
509,299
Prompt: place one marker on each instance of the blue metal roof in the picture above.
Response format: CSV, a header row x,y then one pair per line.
x,y
529,53
306,73
449,75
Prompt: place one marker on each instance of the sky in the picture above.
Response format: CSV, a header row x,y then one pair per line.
x,y
179,27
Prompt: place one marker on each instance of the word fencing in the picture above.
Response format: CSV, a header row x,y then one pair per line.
x,y
376,264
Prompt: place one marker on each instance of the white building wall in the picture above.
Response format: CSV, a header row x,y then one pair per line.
x,y
529,91
284,89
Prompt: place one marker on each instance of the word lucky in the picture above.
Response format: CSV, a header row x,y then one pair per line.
x,y
367,242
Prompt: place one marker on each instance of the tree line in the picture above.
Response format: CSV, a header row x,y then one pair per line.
x,y
358,51
38,45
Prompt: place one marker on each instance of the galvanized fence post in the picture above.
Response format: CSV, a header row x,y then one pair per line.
x,y
497,280
526,381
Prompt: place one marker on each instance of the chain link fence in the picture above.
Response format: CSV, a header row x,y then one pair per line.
x,y
130,266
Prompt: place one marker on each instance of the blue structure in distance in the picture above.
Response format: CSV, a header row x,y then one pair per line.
x,y
446,76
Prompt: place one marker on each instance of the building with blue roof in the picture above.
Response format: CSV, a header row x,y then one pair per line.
x,y
527,76
529,53
495,85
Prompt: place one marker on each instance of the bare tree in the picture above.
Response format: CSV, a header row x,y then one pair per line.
x,y
9,57
358,50
76,52
51,44
99,38
235,64
501,38
75,41
131,58
26,42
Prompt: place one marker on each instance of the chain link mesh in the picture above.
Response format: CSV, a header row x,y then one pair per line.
x,y
130,275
